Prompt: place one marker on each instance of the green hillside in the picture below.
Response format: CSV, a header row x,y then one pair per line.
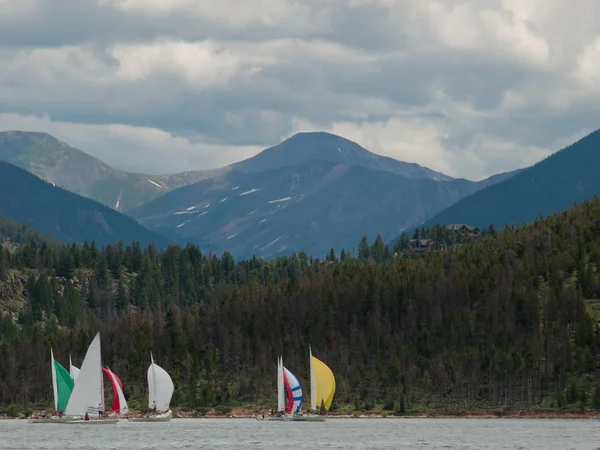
x,y
505,322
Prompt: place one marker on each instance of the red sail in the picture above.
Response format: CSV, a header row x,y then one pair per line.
x,y
116,406
290,402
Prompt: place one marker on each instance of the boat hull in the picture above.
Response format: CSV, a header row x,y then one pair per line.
x,y
92,422
315,418
165,417
53,420
270,418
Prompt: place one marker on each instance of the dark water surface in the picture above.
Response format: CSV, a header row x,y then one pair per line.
x,y
238,434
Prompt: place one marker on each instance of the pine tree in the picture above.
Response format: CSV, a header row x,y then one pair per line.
x,y
364,251
331,257
101,271
3,265
596,398
66,263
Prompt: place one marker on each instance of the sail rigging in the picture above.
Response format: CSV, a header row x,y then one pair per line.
x,y
119,404
74,371
294,391
62,384
54,382
322,383
280,387
160,387
87,393
65,385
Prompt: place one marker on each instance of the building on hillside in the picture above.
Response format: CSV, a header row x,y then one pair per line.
x,y
422,245
463,229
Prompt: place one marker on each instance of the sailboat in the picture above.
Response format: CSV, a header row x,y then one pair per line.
x,y
286,382
322,389
87,395
74,371
119,405
160,391
62,386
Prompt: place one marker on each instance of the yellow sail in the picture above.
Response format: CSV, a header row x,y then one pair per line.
x,y
323,384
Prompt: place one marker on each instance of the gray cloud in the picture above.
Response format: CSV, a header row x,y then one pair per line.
x,y
469,88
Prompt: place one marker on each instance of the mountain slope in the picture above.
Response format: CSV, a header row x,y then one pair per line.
x,y
70,168
15,234
311,207
554,184
63,215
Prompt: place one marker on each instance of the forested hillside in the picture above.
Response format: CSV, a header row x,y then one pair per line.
x,y
501,322
14,234
65,216
567,177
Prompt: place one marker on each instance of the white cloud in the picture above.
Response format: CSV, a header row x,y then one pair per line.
x,y
17,9
231,13
467,87
409,140
469,26
201,64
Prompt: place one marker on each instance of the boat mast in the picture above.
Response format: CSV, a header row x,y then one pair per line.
x,y
54,384
313,382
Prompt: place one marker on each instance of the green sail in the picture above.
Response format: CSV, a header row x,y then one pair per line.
x,y
64,383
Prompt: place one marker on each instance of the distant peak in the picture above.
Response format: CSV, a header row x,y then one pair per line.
x,y
317,136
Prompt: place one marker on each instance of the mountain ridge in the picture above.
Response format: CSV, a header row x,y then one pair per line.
x,y
310,208
319,145
70,168
549,186
65,216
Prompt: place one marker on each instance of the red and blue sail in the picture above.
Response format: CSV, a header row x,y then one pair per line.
x,y
294,392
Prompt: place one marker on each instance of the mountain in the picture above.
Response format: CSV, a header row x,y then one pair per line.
x,y
14,234
63,215
319,146
70,168
296,197
552,185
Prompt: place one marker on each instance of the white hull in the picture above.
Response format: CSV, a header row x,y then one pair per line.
x,y
54,420
92,422
270,418
164,417
290,418
311,418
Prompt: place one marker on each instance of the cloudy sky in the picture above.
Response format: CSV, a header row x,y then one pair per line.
x,y
469,88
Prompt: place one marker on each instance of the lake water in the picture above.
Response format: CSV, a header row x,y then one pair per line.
x,y
238,434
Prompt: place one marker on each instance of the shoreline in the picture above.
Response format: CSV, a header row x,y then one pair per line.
x,y
517,414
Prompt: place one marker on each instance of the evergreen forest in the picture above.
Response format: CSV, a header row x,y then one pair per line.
x,y
507,321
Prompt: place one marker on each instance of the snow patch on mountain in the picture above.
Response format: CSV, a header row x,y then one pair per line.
x,y
251,191
284,199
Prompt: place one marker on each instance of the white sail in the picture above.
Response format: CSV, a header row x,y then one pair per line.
x,y
87,393
123,408
54,384
313,382
280,388
160,387
74,371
